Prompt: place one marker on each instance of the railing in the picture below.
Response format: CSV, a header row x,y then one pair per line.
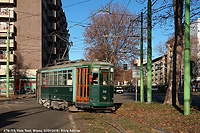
x,y
7,1
51,26
6,13
4,27
2,56
51,13
3,43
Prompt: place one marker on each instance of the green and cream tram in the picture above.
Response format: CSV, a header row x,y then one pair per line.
x,y
83,84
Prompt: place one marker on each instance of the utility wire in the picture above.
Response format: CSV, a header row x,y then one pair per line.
x,y
76,3
91,15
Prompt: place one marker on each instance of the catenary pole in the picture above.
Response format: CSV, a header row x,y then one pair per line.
x,y
7,58
187,59
149,57
141,62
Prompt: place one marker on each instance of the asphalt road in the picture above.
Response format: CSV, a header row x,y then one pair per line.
x,y
25,115
156,97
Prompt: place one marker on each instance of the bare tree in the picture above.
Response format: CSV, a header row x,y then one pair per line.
x,y
164,14
170,50
114,36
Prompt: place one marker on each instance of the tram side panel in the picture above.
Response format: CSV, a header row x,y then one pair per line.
x,y
63,93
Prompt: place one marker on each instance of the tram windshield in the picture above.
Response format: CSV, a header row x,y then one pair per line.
x,y
104,78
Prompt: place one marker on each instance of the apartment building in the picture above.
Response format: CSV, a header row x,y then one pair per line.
x,y
159,70
38,36
195,31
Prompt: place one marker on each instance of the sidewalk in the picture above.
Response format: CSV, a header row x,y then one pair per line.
x,y
17,96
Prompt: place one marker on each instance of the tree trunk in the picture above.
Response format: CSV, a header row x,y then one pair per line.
x,y
174,76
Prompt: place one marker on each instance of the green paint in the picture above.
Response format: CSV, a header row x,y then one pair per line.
x,y
141,63
149,57
57,93
187,59
7,65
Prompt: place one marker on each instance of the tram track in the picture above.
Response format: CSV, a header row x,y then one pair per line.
x,y
149,123
139,120
115,120
121,129
145,122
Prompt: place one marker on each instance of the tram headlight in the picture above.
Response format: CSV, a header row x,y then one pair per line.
x,y
104,97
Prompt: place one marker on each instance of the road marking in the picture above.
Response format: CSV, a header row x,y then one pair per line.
x,y
72,122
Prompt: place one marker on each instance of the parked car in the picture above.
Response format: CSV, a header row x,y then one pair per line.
x,y
29,91
22,91
154,87
132,89
118,89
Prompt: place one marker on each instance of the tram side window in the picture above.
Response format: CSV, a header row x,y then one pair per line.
x,y
69,79
51,78
47,78
64,78
104,78
43,79
60,78
95,79
112,76
55,78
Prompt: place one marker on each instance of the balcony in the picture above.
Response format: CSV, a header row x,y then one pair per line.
x,y
7,1
4,59
51,39
4,27
51,14
58,25
58,3
52,4
4,13
3,43
51,26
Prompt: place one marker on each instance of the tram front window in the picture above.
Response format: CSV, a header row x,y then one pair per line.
x,y
104,78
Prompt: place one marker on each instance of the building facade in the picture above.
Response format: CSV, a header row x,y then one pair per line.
x,y
195,31
159,70
38,35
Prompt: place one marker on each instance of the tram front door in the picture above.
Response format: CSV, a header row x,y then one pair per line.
x,y
82,84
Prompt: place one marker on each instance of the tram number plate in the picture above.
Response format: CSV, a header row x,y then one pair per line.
x,y
104,91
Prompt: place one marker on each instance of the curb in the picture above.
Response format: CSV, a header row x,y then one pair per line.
x,y
17,97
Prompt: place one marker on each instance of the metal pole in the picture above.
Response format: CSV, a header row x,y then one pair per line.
x,y
136,90
187,59
141,62
7,63
149,57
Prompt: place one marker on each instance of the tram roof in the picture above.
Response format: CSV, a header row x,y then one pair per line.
x,y
74,63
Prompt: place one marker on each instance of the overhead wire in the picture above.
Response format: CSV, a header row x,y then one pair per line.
x,y
91,15
113,14
76,3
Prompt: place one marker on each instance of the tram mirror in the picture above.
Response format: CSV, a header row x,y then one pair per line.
x,y
90,78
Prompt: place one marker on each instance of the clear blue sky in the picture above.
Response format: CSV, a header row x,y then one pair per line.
x,y
78,10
